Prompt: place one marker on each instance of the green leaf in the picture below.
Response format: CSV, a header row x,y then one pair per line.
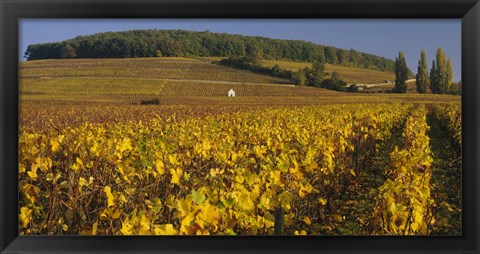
x,y
198,197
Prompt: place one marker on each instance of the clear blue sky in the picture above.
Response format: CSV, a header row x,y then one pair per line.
x,y
380,37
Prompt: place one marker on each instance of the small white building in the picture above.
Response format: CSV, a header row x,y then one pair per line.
x,y
231,93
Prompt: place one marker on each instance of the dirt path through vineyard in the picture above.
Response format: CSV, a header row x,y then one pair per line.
x,y
445,181
359,205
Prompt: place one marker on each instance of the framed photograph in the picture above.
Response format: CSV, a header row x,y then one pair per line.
x,y
239,126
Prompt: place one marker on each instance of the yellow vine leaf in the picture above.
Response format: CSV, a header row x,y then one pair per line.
x,y
21,168
55,145
306,219
301,232
176,174
144,226
322,201
185,224
127,228
82,182
160,167
173,159
94,228
166,229
25,216
33,172
30,192
110,197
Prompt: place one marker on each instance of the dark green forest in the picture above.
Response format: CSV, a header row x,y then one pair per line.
x,y
181,43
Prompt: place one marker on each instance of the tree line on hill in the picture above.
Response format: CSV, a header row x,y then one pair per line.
x,y
181,43
314,77
439,80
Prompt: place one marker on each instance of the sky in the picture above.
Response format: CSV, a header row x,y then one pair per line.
x,y
382,37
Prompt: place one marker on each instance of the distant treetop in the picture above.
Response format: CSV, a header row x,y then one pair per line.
x,y
181,43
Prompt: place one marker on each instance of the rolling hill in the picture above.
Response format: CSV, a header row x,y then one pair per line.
x,y
131,80
178,80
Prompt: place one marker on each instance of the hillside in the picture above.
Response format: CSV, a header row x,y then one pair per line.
x,y
178,80
351,75
132,80
180,43
155,68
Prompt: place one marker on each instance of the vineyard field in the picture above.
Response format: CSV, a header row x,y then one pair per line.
x,y
154,146
109,89
147,68
171,79
194,170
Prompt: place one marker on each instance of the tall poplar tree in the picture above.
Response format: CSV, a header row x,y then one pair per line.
x,y
422,73
441,74
449,73
442,70
434,79
401,74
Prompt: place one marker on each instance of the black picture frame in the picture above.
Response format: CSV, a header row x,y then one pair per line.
x,y
12,10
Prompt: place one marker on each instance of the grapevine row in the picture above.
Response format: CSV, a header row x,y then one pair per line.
x,y
450,117
404,202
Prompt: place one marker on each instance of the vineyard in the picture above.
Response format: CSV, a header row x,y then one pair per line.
x,y
275,159
335,169
134,80
129,81
349,74
147,68
132,90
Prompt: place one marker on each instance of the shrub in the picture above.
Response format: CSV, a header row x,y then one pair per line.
x,y
155,101
337,85
353,88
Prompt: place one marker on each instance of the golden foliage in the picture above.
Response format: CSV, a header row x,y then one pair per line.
x,y
218,174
